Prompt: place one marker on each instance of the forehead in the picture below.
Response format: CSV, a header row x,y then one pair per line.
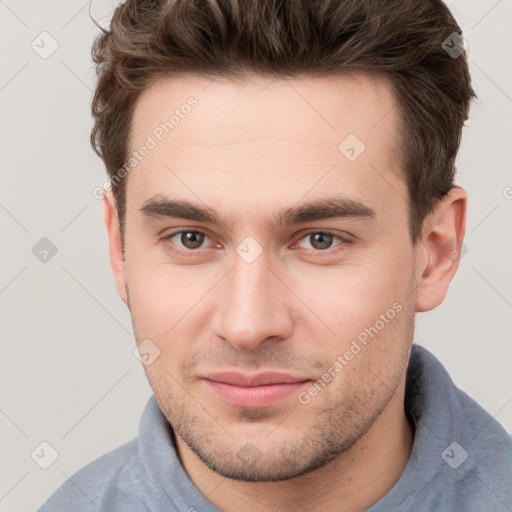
x,y
272,140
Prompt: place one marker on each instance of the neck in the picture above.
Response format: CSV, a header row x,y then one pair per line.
x,y
362,475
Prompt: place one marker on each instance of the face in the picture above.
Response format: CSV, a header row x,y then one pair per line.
x,y
269,267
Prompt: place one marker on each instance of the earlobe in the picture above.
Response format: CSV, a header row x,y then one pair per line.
x,y
440,248
117,261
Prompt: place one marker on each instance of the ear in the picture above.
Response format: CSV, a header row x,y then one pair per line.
x,y
438,251
114,240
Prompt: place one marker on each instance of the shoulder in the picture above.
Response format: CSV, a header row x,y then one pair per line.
x,y
487,451
110,482
469,451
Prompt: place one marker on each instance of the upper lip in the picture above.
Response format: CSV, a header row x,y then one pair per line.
x,y
259,379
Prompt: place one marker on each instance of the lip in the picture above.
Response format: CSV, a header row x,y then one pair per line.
x,y
253,391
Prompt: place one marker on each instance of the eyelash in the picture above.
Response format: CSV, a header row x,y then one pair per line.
x,y
316,253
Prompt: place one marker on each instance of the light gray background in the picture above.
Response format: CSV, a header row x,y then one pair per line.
x,y
67,369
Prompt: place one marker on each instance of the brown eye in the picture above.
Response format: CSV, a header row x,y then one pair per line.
x,y
191,239
319,240
186,240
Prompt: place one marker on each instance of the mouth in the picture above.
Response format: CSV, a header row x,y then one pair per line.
x,y
253,391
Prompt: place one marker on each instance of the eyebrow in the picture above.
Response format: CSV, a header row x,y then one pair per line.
x,y
159,207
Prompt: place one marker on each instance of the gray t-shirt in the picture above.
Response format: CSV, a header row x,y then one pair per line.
x,y
461,460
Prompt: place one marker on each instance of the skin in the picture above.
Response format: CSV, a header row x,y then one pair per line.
x,y
249,149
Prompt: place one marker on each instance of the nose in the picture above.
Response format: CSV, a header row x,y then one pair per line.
x,y
253,305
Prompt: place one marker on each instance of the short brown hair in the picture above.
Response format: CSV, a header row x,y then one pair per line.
x,y
405,39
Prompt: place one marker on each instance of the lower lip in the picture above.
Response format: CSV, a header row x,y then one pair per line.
x,y
254,396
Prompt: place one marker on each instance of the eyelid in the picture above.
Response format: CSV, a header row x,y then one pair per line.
x,y
177,249
343,239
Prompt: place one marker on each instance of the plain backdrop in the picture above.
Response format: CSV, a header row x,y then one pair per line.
x,y
68,374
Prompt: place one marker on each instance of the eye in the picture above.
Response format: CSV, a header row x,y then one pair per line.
x,y
190,241
187,240
320,240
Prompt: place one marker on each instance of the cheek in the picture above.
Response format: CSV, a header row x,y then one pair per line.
x,y
366,287
362,299
151,295
164,297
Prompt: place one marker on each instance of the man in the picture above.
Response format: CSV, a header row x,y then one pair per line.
x,y
281,205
